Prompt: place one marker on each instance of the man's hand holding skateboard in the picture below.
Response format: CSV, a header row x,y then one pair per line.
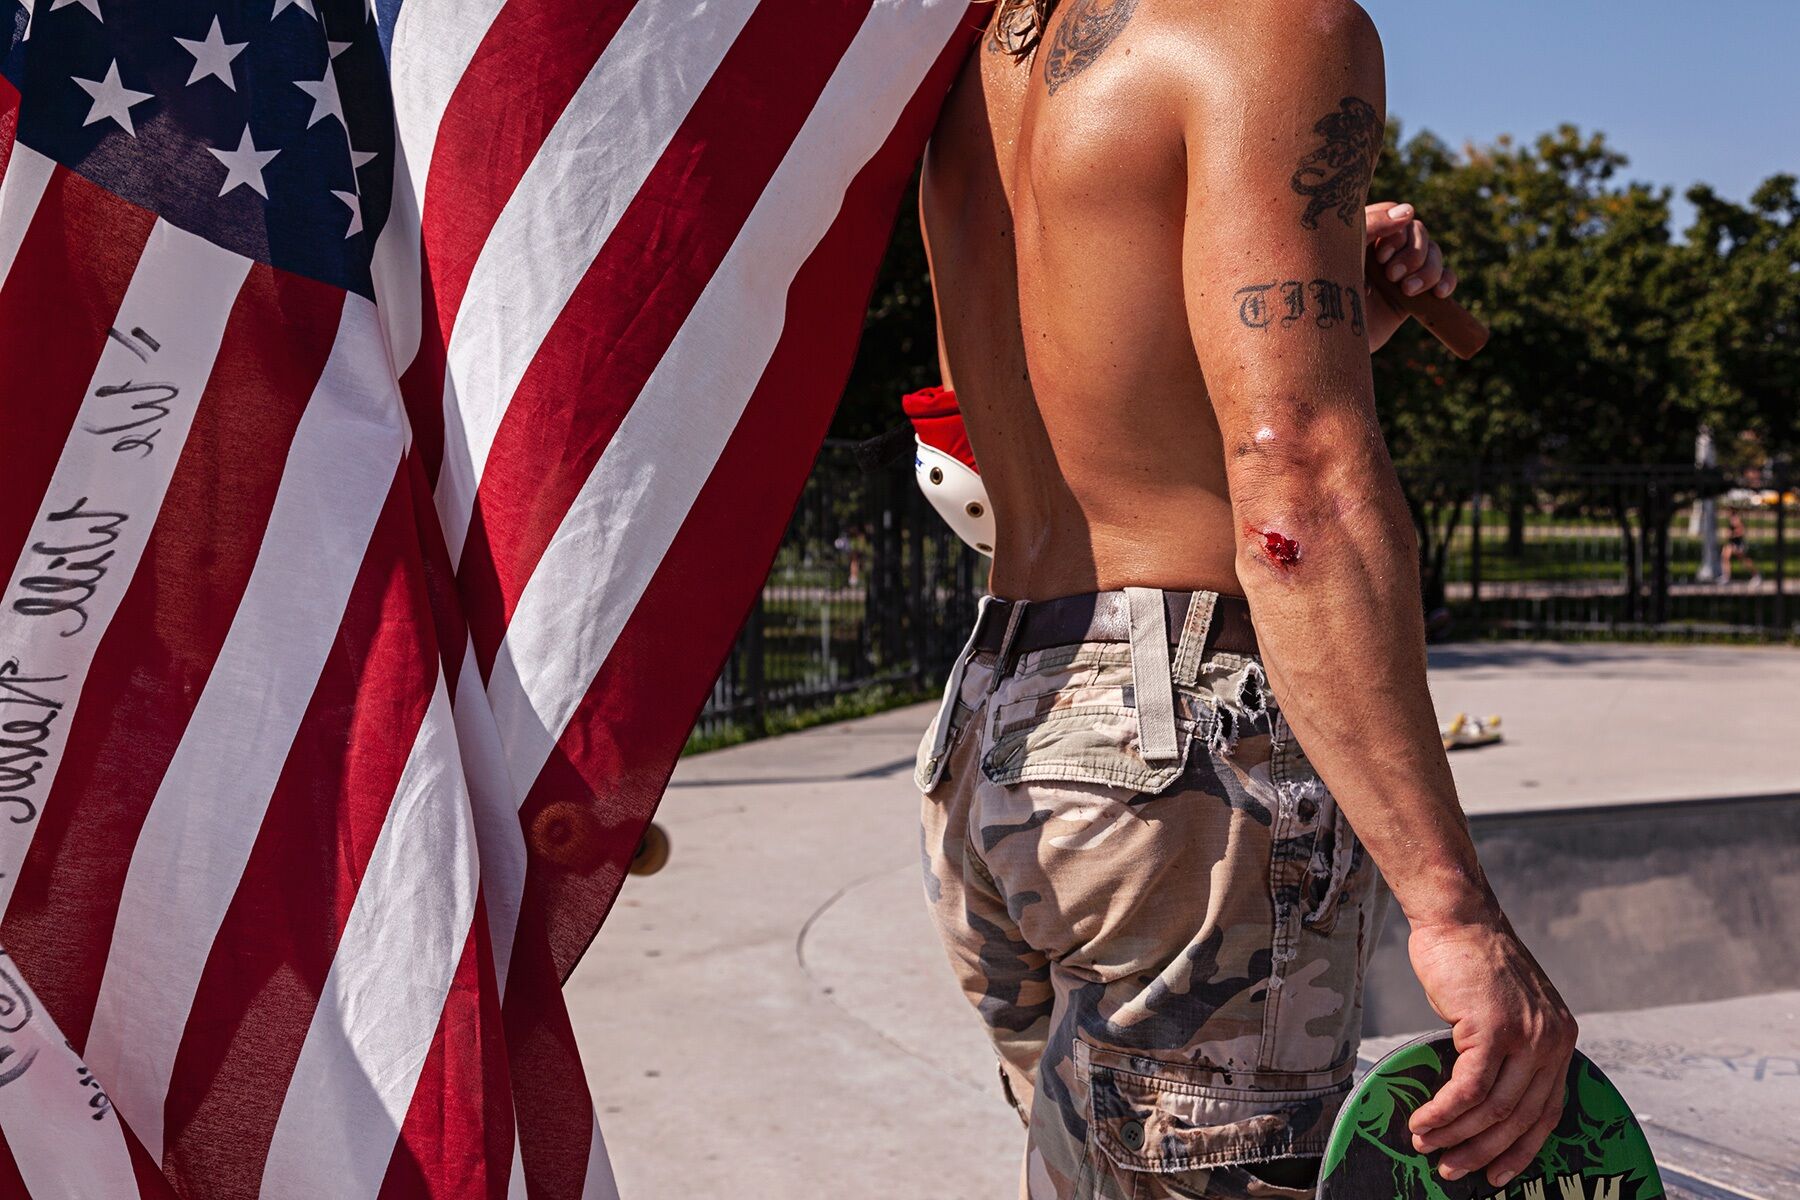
x,y
1513,1033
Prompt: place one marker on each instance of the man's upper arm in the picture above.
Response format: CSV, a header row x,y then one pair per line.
x,y
1280,147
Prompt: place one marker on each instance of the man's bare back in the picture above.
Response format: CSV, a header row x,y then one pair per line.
x,y
1085,398
1147,245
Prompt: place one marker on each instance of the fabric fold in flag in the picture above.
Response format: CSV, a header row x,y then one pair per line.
x,y
375,381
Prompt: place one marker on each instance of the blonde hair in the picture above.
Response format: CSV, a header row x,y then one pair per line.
x,y
1018,26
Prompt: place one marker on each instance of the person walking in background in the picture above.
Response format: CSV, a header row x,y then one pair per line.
x,y
1737,547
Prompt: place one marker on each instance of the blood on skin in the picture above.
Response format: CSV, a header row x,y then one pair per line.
x,y
1278,548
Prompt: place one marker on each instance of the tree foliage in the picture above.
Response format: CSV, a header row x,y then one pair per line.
x,y
1614,341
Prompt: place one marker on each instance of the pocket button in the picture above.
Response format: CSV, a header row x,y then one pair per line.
x,y
1132,1134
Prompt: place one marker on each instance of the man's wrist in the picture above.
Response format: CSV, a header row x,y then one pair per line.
x,y
1449,895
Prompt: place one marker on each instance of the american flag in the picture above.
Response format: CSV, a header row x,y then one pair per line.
x,y
399,408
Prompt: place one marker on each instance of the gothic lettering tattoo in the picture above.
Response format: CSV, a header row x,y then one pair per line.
x,y
1294,296
1253,305
1328,298
1083,34
1336,175
1290,301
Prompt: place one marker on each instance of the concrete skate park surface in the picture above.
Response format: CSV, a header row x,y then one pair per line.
x,y
772,1016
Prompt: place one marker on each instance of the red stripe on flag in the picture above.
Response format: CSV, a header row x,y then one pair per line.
x,y
280,934
9,126
422,382
633,300
501,110
458,1134
616,753
550,1094
440,577
12,1184
152,1184
55,309
150,668
505,104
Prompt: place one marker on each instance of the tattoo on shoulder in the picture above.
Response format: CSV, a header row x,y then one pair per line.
x,y
1336,175
1086,30
1016,26
1285,303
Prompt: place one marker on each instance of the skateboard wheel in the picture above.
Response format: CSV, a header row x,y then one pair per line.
x,y
652,852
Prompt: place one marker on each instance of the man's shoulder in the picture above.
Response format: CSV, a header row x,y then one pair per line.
x,y
1220,44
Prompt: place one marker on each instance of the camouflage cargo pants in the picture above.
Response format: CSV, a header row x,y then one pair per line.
x,y
1167,948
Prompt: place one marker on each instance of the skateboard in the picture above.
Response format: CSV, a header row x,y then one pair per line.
x,y
1465,731
1596,1152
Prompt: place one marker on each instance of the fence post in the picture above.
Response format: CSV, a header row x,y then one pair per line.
x,y
758,713
1659,546
919,608
1781,486
1475,550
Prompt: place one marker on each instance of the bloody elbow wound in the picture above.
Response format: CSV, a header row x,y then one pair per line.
x,y
1277,548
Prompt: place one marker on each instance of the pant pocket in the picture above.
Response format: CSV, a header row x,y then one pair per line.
x,y
1156,1118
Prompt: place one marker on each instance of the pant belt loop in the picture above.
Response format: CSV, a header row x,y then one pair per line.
x,y
1151,681
953,689
1014,615
1191,650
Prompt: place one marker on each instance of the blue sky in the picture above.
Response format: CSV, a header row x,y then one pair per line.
x,y
1690,91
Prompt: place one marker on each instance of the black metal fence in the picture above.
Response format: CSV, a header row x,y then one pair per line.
x,y
1557,550
871,589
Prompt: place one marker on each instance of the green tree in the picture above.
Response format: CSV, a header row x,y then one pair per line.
x,y
1745,331
898,353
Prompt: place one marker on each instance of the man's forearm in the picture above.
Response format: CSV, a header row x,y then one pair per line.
x,y
1327,559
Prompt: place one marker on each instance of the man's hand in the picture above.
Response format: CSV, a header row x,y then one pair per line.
x,y
1400,246
1514,1037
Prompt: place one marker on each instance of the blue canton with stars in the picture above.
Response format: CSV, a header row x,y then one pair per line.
x,y
265,126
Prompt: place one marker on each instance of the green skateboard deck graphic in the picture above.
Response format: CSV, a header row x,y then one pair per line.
x,y
1596,1152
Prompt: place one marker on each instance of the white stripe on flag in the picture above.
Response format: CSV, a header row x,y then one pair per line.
x,y
62,1136
567,204
27,172
515,1183
434,41
211,801
497,829
96,516
384,997
633,503
600,1184
433,44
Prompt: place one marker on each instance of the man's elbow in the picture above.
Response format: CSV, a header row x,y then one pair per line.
x,y
1302,499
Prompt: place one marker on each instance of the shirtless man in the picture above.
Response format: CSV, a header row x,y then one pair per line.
x,y
1151,823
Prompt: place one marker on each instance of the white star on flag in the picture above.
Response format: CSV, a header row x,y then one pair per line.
x,y
355,203
326,101
244,165
337,48
361,158
212,56
112,99
305,6
92,6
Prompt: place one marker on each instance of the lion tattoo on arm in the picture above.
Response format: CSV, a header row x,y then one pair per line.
x,y
1336,175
